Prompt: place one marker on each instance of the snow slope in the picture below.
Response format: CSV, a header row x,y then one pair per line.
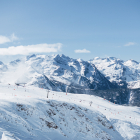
x,y
26,114
124,73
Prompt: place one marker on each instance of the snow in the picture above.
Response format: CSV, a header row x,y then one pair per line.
x,y
59,70
27,113
119,71
68,71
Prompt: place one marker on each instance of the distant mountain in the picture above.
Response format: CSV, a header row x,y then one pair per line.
x,y
3,67
56,72
108,78
123,73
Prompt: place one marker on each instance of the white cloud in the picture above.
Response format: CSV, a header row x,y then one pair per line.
x,y
13,37
82,51
25,50
4,39
130,44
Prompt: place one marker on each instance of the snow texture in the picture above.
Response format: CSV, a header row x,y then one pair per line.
x,y
59,72
27,114
55,72
124,73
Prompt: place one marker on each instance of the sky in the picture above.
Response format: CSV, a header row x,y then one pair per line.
x,y
76,28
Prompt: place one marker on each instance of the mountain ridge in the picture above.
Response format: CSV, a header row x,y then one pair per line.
x,y
61,73
123,73
63,69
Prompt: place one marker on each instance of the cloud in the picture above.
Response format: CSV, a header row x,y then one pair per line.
x,y
4,39
13,37
130,44
82,51
25,50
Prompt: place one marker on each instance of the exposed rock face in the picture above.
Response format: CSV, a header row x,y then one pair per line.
x,y
134,98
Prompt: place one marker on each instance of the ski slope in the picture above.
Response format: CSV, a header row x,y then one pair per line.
x,y
27,114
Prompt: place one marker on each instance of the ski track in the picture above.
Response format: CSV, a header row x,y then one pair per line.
x,y
27,114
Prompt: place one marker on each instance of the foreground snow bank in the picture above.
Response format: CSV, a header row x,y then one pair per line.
x,y
26,113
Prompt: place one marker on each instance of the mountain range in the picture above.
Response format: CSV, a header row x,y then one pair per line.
x,y
123,73
111,78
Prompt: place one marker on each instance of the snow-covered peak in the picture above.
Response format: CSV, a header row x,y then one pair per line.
x,y
15,62
1,63
131,63
117,70
30,56
58,71
3,67
62,59
97,58
79,60
105,61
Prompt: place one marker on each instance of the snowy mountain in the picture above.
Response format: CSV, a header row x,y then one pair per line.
x,y
26,114
3,67
61,73
124,73
56,72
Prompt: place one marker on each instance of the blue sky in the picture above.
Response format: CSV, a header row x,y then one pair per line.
x,y
77,28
